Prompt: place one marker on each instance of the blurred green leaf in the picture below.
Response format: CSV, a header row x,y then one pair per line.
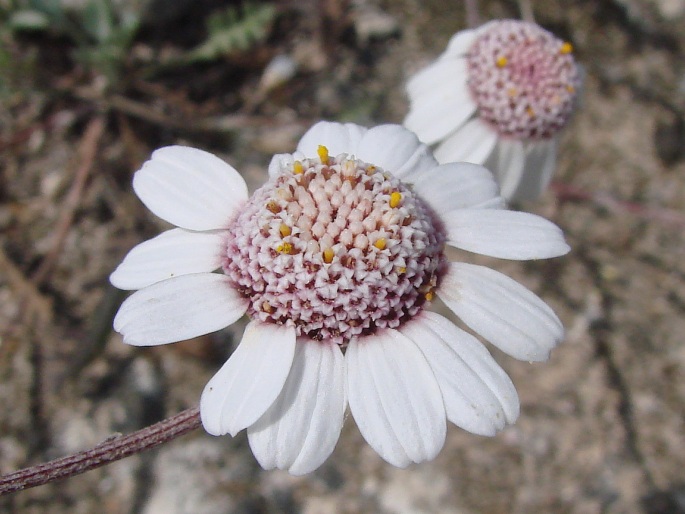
x,y
98,20
233,30
28,20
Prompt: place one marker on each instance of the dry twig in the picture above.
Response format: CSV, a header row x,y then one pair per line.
x,y
88,151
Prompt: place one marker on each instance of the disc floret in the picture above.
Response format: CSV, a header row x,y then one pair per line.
x,y
336,247
523,79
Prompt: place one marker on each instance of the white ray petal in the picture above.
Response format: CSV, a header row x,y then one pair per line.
x,y
171,254
190,188
502,311
250,381
507,163
541,157
504,234
460,43
473,142
395,398
478,394
424,82
458,186
301,428
337,137
179,308
397,150
440,101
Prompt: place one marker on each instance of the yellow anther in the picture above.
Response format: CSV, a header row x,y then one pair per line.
x,y
395,199
266,307
297,168
401,270
566,48
380,243
429,296
512,92
570,89
284,248
371,170
323,154
273,207
501,61
530,112
284,230
328,255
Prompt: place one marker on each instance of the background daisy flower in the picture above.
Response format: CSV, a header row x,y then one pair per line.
x,y
335,261
498,96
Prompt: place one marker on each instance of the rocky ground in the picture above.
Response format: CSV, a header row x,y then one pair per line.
x,y
602,423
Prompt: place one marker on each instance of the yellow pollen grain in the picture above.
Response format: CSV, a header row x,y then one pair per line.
x,y
566,48
501,61
273,207
371,170
401,270
570,89
512,92
298,168
395,199
530,112
323,154
284,248
284,230
266,307
328,255
429,296
380,243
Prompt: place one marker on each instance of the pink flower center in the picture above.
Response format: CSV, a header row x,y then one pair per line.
x,y
336,247
523,79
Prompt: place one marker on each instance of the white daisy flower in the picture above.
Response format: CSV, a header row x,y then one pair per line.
x,y
498,96
335,261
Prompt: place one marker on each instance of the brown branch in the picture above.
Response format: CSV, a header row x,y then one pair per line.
x,y
109,451
88,152
567,192
473,18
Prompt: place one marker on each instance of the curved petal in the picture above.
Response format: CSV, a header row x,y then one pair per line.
x,y
541,157
171,254
447,71
301,428
478,394
440,101
190,188
395,398
179,308
502,311
397,150
506,162
250,380
504,234
337,137
473,142
459,186
460,43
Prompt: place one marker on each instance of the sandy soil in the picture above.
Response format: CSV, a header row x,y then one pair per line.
x,y
602,423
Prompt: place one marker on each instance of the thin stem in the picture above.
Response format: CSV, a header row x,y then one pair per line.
x,y
526,11
567,192
472,14
109,451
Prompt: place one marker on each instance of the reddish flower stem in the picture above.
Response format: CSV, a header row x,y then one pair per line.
x,y
109,451
567,192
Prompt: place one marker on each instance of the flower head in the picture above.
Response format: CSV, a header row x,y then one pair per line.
x,y
499,95
336,260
